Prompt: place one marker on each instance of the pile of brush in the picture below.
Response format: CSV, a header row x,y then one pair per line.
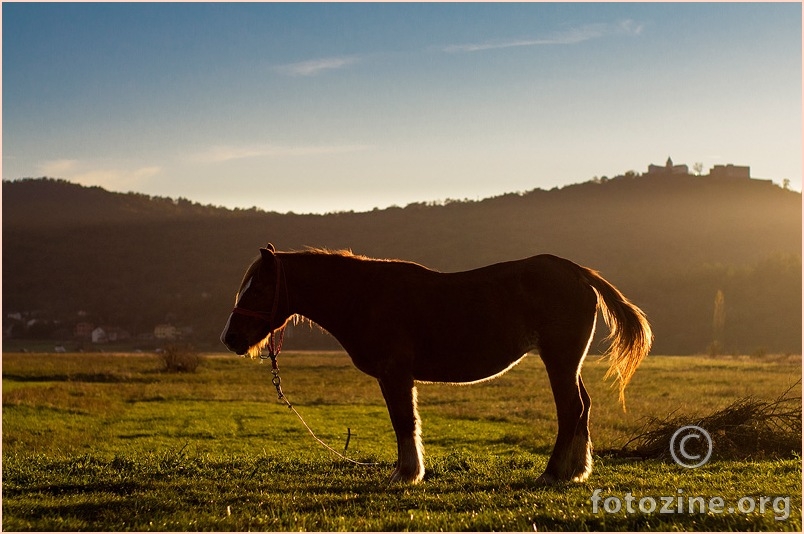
x,y
748,428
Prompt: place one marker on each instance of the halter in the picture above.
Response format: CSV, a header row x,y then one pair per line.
x,y
274,344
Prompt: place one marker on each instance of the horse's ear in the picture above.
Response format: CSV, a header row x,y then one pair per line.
x,y
267,253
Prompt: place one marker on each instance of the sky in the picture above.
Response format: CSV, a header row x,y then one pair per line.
x,y
316,108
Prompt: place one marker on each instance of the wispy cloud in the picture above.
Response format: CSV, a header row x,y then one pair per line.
x,y
89,173
58,168
223,153
571,36
314,67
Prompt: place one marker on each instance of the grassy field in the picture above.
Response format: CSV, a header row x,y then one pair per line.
x,y
110,442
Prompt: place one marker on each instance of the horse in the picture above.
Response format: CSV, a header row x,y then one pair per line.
x,y
403,323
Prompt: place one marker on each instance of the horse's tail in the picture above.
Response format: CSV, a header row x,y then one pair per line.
x,y
630,335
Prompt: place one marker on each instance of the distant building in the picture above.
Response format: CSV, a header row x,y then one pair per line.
x,y
730,171
83,330
99,335
166,331
106,334
667,168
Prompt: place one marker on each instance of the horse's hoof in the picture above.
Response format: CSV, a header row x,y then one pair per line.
x,y
406,478
546,479
581,478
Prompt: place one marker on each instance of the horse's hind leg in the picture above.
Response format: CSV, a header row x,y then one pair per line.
x,y
400,397
572,454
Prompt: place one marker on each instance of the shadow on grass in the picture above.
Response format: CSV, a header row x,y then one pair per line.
x,y
93,378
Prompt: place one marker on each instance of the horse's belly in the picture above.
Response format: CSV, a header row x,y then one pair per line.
x,y
462,370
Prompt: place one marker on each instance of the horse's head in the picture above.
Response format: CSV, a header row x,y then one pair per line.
x,y
257,312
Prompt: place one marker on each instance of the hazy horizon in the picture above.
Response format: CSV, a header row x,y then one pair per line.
x,y
433,201
316,108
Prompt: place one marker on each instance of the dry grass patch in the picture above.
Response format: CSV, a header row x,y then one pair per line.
x,y
748,428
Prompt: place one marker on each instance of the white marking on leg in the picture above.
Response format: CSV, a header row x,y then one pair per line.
x,y
411,463
410,466
587,464
576,464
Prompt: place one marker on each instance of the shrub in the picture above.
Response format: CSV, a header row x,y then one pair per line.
x,y
180,358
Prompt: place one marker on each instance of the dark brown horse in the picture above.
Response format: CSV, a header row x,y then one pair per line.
x,y
402,323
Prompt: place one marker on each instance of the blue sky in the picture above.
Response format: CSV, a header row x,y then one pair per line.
x,y
328,107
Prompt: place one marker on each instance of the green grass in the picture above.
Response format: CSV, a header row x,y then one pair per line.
x,y
108,442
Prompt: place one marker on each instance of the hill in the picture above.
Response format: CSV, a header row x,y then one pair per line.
x,y
46,203
670,243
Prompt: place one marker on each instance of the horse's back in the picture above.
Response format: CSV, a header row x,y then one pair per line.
x,y
528,291
470,325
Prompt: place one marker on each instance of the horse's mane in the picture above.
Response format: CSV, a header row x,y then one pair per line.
x,y
343,253
327,251
347,253
311,251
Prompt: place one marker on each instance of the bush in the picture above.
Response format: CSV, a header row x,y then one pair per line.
x,y
180,358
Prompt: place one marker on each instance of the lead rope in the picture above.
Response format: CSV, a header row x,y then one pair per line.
x,y
273,352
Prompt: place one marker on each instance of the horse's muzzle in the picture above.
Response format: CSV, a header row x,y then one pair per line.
x,y
238,346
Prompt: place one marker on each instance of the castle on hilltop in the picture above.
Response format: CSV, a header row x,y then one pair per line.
x,y
668,168
718,171
731,171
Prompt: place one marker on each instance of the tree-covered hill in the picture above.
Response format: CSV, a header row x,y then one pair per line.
x,y
669,242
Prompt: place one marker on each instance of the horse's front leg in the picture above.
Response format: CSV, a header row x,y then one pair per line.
x,y
400,397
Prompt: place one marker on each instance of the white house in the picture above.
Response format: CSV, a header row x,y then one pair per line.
x,y
99,335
